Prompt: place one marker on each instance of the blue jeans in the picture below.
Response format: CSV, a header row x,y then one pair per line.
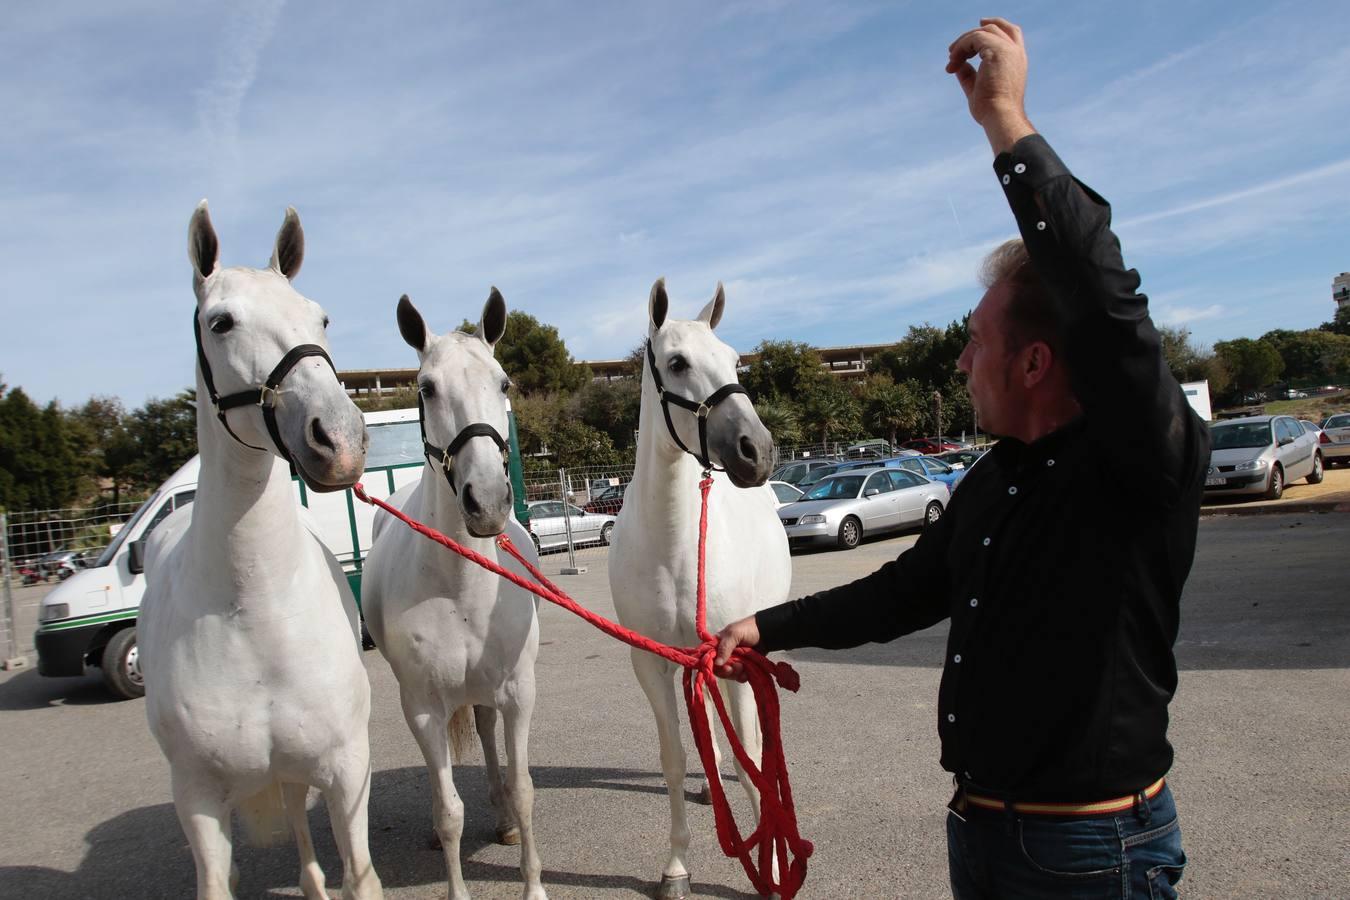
x,y
996,854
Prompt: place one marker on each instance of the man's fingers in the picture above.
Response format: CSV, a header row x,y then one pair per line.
x,y
972,43
725,644
1013,33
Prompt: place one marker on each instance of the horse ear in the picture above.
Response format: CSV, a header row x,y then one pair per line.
x,y
203,247
492,325
289,252
712,313
658,304
410,324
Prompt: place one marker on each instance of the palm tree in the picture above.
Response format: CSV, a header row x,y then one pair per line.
x,y
830,407
781,419
889,407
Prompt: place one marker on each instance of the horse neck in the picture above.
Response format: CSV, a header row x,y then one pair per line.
x,y
244,522
665,478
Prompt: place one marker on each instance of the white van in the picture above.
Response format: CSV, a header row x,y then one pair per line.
x,y
89,619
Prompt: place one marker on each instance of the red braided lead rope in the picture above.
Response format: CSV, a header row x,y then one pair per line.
x,y
775,838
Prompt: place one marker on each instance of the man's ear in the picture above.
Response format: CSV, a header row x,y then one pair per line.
x,y
1037,362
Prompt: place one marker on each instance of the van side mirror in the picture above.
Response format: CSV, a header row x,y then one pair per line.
x,y
136,556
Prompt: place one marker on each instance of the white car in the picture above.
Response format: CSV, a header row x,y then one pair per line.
x,y
842,508
549,525
1259,455
785,493
1335,439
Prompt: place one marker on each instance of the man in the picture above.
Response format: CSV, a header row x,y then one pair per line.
x,y
1062,558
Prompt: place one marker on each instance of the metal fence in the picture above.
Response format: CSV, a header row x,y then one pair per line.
x,y
572,513
41,548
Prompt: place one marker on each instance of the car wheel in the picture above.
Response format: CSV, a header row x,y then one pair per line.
x,y
1275,490
122,666
850,533
537,549
606,532
1317,473
932,513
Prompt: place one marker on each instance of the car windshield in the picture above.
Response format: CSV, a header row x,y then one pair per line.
x,y
1239,435
814,476
1338,422
110,551
841,487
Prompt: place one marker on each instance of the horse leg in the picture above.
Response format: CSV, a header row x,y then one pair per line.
x,y
311,876
347,797
447,809
656,677
205,818
521,792
485,718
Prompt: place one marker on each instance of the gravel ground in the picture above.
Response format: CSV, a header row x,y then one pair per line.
x,y
1260,724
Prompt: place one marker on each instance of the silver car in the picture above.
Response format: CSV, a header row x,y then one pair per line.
x,y
842,508
1336,438
548,526
1259,455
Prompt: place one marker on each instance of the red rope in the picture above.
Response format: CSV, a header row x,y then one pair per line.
x,y
775,838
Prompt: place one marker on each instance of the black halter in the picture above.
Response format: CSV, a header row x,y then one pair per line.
x,y
446,456
259,395
700,410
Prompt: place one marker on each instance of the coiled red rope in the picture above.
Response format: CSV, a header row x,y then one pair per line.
x,y
775,838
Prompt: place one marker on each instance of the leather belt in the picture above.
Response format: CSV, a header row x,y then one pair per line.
x,y
1099,808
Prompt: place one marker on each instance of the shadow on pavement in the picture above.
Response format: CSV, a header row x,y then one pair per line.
x,y
29,690
143,853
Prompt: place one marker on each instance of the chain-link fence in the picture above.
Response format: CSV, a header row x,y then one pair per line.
x,y
42,548
572,513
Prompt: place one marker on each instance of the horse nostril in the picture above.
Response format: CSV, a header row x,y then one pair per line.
x,y
471,505
320,437
749,450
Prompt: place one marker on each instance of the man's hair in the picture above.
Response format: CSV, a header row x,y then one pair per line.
x,y
1031,315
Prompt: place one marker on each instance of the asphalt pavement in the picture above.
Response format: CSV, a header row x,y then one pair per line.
x,y
1261,725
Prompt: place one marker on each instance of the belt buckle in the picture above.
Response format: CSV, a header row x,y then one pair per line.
x,y
957,805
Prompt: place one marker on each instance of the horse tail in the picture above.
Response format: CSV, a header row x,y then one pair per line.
x,y
264,818
462,733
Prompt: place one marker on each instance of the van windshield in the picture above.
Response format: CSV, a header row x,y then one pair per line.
x,y
110,551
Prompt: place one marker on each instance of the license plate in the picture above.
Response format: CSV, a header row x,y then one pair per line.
x,y
1215,482
1341,438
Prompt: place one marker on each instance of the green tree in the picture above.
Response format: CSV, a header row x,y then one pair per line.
x,y
535,356
783,369
611,407
927,354
1340,323
1311,355
103,443
889,408
780,417
828,408
165,435
39,468
1253,364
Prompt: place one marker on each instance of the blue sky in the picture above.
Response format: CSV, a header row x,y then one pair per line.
x,y
813,156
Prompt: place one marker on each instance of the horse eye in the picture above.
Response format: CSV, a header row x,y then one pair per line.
x,y
678,364
426,390
506,385
325,321
222,323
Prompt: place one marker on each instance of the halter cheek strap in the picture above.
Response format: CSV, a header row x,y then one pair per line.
x,y
446,456
700,410
264,396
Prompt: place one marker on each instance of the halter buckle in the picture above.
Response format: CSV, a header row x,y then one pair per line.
x,y
262,396
703,411
446,459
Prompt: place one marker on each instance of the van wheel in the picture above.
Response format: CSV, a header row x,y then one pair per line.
x,y
1316,475
850,533
122,666
1275,489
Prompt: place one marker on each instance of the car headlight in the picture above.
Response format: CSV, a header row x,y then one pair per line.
x,y
811,520
1249,465
53,611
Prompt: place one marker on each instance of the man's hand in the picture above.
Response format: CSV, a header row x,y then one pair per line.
x,y
744,633
997,89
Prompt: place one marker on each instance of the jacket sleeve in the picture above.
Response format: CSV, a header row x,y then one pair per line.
x,y
1134,407
905,595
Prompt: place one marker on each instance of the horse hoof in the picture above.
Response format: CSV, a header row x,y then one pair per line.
x,y
673,887
509,836
704,796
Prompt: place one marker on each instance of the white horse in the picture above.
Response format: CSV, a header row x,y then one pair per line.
x,y
254,684
653,562
455,634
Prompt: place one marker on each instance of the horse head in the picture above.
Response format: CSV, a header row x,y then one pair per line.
x,y
461,393
262,353
707,413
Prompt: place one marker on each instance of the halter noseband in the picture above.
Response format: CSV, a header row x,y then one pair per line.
x,y
700,410
446,456
259,395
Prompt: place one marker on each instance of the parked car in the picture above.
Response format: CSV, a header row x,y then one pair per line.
x,y
815,475
785,493
934,469
960,459
793,472
608,501
875,449
60,564
844,507
548,527
1335,439
931,445
1292,394
891,462
1259,455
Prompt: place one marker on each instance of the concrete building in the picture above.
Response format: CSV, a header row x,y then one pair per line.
x,y
1340,290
